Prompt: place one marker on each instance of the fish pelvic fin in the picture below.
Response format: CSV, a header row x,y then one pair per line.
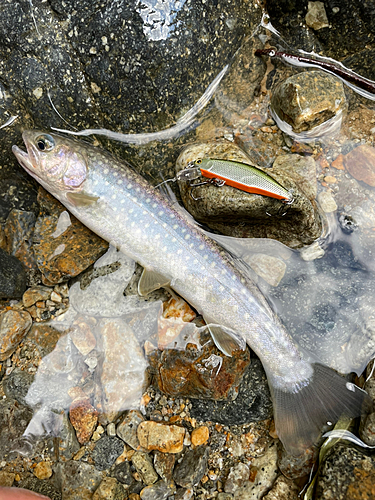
x,y
302,411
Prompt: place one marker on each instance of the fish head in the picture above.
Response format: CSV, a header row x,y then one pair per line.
x,y
59,164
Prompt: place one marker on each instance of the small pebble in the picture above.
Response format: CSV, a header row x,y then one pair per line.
x,y
143,465
157,436
200,436
43,470
327,202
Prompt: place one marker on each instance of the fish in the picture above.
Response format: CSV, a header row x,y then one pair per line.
x,y
358,83
242,176
119,205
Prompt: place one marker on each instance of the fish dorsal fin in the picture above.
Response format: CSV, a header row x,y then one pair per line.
x,y
81,199
226,340
150,281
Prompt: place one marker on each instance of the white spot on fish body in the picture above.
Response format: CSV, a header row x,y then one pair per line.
x,y
174,239
119,181
157,236
205,257
247,316
138,189
132,224
201,247
154,205
179,251
213,264
105,171
122,201
148,200
175,226
131,210
172,216
221,288
187,236
113,197
147,225
161,212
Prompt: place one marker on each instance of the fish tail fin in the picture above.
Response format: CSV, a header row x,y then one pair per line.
x,y
301,411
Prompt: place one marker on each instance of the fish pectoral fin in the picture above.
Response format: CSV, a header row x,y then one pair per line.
x,y
150,281
226,340
81,199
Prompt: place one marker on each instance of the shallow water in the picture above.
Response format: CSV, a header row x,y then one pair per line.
x,y
327,303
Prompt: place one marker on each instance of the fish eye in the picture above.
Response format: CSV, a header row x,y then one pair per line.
x,y
45,142
198,162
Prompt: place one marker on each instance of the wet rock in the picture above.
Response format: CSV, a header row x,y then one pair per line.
x,y
67,255
165,438
78,480
35,294
109,489
294,467
271,269
224,496
41,487
346,474
14,325
308,99
316,16
43,470
184,494
14,419
253,402
283,489
123,368
237,477
200,436
314,251
81,333
360,163
123,474
192,467
12,277
106,451
6,478
236,213
18,229
199,373
68,443
158,491
263,474
142,462
163,464
84,418
327,202
127,428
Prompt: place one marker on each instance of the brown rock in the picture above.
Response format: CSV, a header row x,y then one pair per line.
x,y
43,470
199,373
81,334
338,163
283,489
163,464
200,436
165,438
84,418
360,163
18,230
14,325
109,489
36,294
6,478
68,254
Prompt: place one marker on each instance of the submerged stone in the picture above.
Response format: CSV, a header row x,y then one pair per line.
x,y
161,437
199,373
14,325
360,163
12,277
192,467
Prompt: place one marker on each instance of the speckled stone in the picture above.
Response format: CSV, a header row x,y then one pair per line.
x,y
238,475
43,470
36,293
6,478
163,464
142,462
127,428
236,213
308,99
14,325
283,489
346,474
12,277
78,480
109,489
18,229
123,474
42,487
192,467
106,451
84,418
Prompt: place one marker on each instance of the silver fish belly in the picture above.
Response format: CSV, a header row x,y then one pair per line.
x,y
121,207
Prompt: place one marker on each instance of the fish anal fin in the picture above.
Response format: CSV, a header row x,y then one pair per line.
x,y
81,199
301,411
226,340
151,281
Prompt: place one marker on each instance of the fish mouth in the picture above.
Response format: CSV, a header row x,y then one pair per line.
x,y
26,159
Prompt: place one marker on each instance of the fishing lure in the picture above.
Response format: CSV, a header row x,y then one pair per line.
x,y
358,83
238,175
